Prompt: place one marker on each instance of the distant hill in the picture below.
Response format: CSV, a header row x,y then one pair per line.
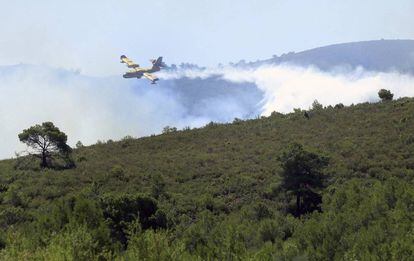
x,y
381,55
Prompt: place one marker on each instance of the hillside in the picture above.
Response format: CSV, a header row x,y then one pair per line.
x,y
382,56
217,190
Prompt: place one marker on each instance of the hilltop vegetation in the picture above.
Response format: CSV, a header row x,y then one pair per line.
x,y
377,55
217,193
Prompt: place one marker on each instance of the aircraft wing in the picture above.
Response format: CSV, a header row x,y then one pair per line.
x,y
128,62
150,77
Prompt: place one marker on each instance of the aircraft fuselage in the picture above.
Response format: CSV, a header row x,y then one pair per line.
x,y
137,73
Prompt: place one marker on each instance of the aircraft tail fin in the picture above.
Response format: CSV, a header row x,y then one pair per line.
x,y
158,63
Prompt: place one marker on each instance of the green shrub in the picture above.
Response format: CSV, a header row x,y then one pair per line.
x,y
385,95
339,106
150,245
121,211
11,216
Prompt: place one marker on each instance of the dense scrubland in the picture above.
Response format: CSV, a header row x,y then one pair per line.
x,y
217,193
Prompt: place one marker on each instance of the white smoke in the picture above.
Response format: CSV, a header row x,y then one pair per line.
x,y
88,109
286,87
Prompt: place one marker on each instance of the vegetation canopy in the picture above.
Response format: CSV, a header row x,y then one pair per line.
x,y
259,189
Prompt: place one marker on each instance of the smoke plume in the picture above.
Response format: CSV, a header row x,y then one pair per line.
x,y
90,109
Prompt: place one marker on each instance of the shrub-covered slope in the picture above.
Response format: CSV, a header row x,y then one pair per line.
x,y
380,55
218,191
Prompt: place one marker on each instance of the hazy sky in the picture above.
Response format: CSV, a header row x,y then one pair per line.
x,y
91,35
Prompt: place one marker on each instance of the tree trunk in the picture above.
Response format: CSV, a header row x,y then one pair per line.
x,y
44,160
298,210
